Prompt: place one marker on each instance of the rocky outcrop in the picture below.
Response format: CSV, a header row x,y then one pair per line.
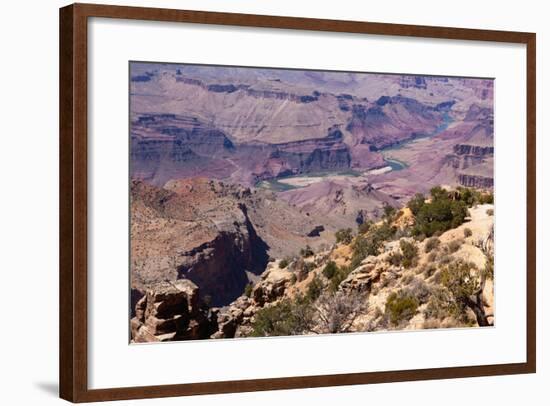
x,y
363,277
475,150
477,181
234,320
171,311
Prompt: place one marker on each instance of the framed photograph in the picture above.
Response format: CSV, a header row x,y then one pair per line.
x,y
255,202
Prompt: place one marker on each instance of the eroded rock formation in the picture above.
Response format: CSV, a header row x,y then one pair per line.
x,y
171,311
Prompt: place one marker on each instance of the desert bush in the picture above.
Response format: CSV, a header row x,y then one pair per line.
x,y
248,290
490,212
401,306
431,244
306,251
341,274
439,305
455,245
337,312
284,318
383,232
330,269
406,279
395,258
389,212
440,214
467,232
364,227
432,257
344,236
314,289
410,253
363,247
284,263
473,197
371,243
416,203
465,285
419,289
293,279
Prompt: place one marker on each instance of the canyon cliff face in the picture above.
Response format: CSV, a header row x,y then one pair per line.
x,y
217,235
192,230
220,266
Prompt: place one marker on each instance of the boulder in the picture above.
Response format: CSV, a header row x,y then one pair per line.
x,y
171,311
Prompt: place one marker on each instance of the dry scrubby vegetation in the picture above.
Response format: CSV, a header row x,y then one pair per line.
x,y
424,276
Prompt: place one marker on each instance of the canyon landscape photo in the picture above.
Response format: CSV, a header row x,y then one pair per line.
x,y
278,202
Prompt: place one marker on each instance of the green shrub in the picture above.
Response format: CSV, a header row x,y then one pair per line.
x,y
410,253
383,232
472,196
363,247
285,318
440,214
344,236
401,306
341,274
314,289
305,265
467,232
371,243
330,269
439,305
416,203
431,244
284,263
458,279
389,212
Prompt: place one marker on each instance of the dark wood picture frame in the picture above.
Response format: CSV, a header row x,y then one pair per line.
x,y
73,362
